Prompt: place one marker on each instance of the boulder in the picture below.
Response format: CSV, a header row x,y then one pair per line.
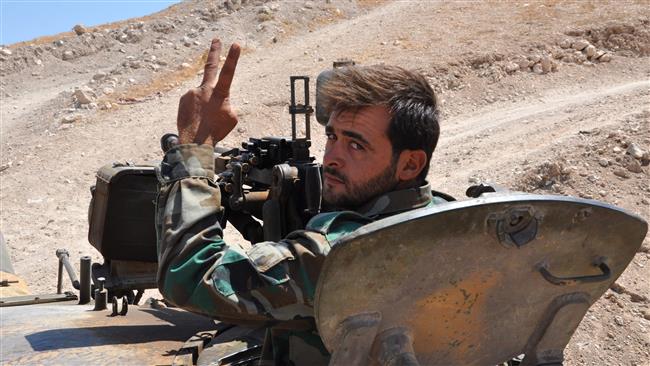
x,y
547,64
79,29
565,43
512,67
580,45
84,95
67,55
635,150
605,58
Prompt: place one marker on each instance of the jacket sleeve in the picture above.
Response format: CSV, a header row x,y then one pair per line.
x,y
198,271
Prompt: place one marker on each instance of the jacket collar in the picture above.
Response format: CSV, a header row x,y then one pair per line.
x,y
394,202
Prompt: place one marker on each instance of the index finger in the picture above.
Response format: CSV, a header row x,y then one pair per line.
x,y
228,70
212,64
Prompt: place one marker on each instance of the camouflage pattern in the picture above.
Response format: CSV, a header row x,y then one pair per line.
x,y
270,284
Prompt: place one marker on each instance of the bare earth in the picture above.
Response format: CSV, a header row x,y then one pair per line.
x,y
524,106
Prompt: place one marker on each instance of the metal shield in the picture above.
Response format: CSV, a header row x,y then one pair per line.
x,y
473,282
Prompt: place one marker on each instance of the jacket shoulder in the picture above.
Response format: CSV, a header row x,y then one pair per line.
x,y
336,224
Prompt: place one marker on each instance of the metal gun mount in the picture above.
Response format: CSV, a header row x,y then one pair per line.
x,y
274,179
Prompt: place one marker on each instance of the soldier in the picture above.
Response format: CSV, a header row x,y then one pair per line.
x,y
380,136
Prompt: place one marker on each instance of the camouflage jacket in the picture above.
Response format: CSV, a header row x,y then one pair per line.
x,y
270,284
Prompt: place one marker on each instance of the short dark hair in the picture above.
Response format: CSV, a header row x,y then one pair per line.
x,y
407,94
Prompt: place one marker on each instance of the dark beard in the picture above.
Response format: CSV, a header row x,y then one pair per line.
x,y
357,195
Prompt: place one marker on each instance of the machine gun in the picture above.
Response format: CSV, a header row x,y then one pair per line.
x,y
270,186
273,179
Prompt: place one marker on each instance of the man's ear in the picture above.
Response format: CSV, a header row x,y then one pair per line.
x,y
410,164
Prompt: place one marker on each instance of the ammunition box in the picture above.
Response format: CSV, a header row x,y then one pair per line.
x,y
122,213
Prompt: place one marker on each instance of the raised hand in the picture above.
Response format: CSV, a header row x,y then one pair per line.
x,y
204,113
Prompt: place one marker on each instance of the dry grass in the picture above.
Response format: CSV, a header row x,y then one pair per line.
x,y
161,82
365,4
110,26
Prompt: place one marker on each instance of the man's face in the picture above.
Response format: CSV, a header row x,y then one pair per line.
x,y
358,162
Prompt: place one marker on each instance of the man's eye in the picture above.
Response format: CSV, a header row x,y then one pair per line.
x,y
330,136
356,146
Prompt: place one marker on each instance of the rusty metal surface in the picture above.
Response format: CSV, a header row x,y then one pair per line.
x,y
470,280
71,334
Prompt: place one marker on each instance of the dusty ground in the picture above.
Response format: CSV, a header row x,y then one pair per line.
x,y
519,109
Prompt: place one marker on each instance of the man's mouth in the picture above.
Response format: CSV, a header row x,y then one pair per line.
x,y
333,177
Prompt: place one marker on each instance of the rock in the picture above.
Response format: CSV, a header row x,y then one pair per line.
x,y
635,150
590,51
67,55
634,297
108,90
522,62
537,69
580,45
546,63
309,5
105,105
84,95
619,172
645,159
646,314
619,320
59,43
6,166
565,43
135,64
579,57
71,118
131,80
6,52
264,10
633,166
617,149
605,58
79,29
99,76
618,288
185,65
512,67
396,42
603,162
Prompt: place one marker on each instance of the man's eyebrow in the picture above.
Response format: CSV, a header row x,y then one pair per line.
x,y
352,134
355,135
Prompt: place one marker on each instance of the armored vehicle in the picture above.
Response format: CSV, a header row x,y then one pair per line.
x,y
498,277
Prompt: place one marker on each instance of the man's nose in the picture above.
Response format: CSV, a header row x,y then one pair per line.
x,y
332,156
